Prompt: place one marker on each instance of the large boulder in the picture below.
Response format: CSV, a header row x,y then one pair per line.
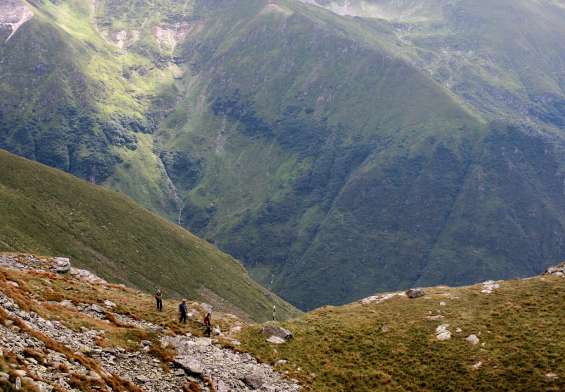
x,y
279,332
190,365
62,265
255,380
87,276
415,293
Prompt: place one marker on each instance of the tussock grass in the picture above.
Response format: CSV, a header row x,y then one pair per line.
x,y
392,346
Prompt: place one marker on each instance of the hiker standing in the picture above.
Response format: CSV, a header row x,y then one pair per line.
x,y
208,324
274,313
159,300
183,311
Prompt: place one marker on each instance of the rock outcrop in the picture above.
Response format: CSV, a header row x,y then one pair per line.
x,y
558,270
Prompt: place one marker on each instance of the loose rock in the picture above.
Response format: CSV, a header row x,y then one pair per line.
x,y
415,293
473,339
442,332
279,332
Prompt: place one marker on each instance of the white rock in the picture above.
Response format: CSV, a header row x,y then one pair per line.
x,y
473,339
203,341
379,298
551,376
489,286
276,340
477,365
62,264
141,379
109,304
271,330
442,332
96,308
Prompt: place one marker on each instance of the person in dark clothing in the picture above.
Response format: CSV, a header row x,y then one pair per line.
x,y
183,311
208,324
159,300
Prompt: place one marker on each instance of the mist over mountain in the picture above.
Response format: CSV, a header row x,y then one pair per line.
x,y
337,148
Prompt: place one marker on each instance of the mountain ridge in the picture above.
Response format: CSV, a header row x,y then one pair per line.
x,y
50,212
305,143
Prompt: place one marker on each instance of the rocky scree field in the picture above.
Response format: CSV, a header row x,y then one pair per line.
x,y
63,329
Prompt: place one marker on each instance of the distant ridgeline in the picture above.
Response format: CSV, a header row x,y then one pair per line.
x,y
336,148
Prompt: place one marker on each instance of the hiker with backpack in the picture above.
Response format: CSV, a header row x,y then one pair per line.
x,y
159,300
208,324
183,312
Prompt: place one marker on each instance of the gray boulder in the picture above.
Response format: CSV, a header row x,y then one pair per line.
x,y
62,265
254,380
190,365
415,293
279,332
97,309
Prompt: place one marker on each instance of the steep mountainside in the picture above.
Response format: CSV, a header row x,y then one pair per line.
x,y
504,58
50,212
369,146
59,332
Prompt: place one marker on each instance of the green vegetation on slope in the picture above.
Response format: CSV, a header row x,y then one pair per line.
x,y
335,156
392,346
46,211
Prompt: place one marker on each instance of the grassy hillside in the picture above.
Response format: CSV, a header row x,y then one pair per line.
x,y
49,212
480,50
392,346
335,156
383,343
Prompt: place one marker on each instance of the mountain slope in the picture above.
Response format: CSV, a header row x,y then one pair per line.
x,y
504,335
481,51
61,332
60,329
334,155
45,211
